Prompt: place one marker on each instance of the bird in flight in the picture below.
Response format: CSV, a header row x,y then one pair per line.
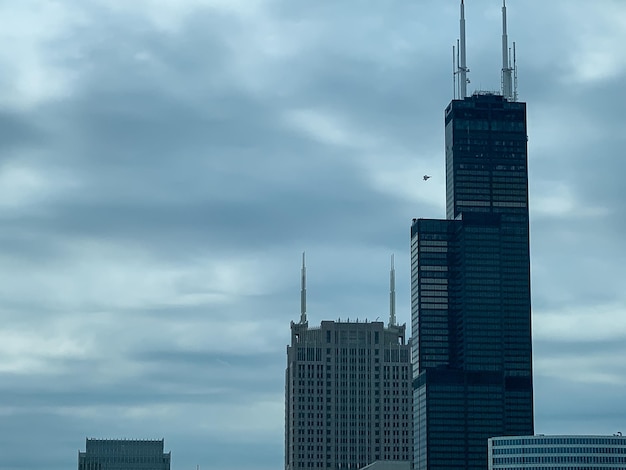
x,y
426,177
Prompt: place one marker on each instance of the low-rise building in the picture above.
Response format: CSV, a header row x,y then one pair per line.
x,y
565,452
124,454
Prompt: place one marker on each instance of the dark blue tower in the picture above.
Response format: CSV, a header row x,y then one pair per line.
x,y
470,288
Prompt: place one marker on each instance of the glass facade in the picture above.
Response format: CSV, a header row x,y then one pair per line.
x,y
557,453
470,291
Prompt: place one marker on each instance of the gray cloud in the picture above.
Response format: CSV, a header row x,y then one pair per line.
x,y
164,164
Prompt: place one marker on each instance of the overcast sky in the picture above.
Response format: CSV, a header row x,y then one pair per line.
x,y
164,163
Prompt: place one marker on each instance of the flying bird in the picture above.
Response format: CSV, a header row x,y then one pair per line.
x,y
426,177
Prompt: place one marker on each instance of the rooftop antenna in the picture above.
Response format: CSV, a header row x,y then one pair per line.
x,y
303,293
507,68
454,69
462,68
392,294
514,74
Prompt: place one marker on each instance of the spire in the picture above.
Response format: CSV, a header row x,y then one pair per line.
x,y
392,295
463,60
303,293
507,69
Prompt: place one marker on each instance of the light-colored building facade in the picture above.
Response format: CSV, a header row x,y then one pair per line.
x,y
124,454
348,392
348,395
557,452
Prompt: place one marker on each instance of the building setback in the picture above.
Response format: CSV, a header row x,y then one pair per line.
x,y
470,289
123,454
347,394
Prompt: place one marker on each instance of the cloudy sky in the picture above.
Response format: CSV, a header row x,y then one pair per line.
x,y
164,163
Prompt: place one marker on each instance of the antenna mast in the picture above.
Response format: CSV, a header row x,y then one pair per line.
x,y
392,294
453,72
303,293
514,74
462,69
507,69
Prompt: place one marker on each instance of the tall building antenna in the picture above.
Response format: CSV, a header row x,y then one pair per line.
x,y
463,81
507,69
514,74
392,294
303,293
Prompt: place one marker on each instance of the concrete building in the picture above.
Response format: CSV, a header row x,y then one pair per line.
x,y
557,453
470,285
123,454
347,393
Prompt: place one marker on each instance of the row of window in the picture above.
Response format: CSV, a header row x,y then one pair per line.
x,y
96,463
559,459
554,467
309,463
551,441
559,450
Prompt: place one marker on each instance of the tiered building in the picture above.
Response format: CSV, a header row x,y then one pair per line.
x,y
470,285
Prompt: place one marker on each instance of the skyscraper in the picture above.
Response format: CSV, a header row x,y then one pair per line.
x,y
123,454
347,392
470,284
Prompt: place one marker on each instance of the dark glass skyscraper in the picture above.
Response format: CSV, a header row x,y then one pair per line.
x,y
470,288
